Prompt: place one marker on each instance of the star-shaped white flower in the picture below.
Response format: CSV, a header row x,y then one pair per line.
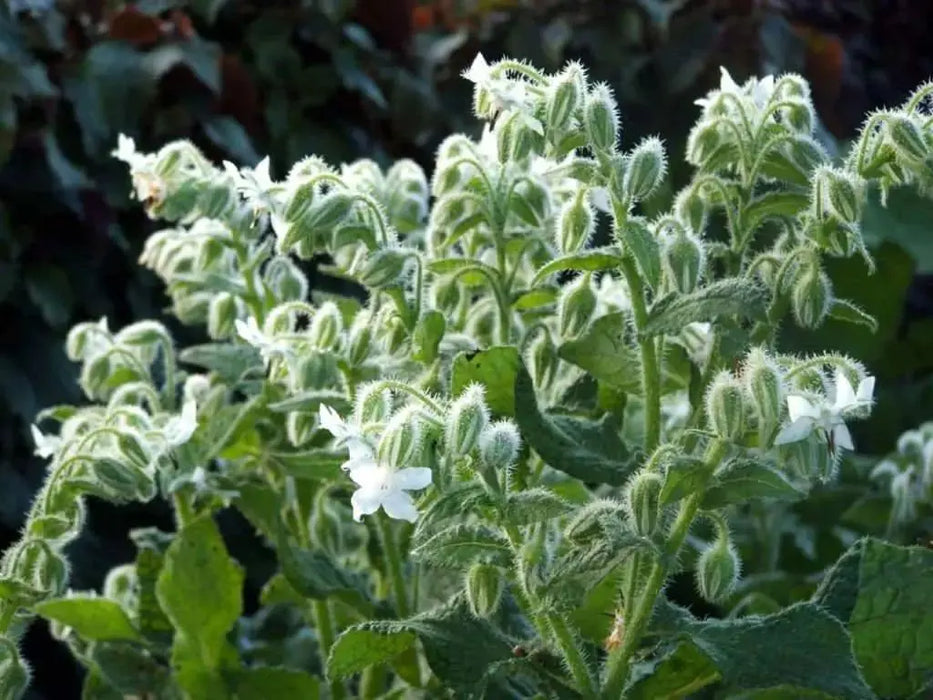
x,y
479,71
46,445
269,348
381,486
344,432
808,415
255,184
179,429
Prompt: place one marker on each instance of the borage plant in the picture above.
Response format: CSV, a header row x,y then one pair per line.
x,y
480,481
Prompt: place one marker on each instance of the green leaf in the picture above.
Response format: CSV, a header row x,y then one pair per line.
x,y
366,645
603,352
314,574
427,336
677,673
743,480
270,682
468,496
310,401
231,362
152,621
94,619
776,204
199,588
589,261
316,464
843,310
535,299
470,272
729,297
534,506
685,476
839,589
643,245
905,221
460,545
586,450
495,369
892,619
129,667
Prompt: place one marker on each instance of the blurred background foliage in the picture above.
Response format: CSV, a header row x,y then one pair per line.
x,y
380,78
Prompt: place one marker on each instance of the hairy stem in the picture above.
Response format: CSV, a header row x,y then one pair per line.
x,y
324,624
393,566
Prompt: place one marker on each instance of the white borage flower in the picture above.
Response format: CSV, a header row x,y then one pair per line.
x,y
179,429
345,433
255,184
505,94
808,415
269,348
381,486
759,90
46,445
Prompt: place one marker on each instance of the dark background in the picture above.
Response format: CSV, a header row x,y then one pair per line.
x,y
378,79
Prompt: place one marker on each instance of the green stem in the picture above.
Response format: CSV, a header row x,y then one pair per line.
x,y
393,566
324,624
619,662
573,656
184,511
650,370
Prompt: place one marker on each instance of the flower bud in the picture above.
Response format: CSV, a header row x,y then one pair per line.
x,y
542,360
315,369
401,441
691,209
124,482
130,446
576,306
359,338
703,142
325,524
299,427
326,326
725,407
383,267
765,387
394,334
120,583
642,499
684,261
466,419
499,443
221,315
841,194
14,672
564,97
907,139
601,119
575,224
717,570
373,404
647,165
812,297
328,211
516,137
484,585
427,336
300,202
43,568
285,279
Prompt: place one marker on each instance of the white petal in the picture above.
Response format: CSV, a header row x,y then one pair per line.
x,y
399,505
726,83
364,472
800,429
250,332
800,407
280,226
842,437
45,444
845,394
866,390
412,478
331,421
261,173
478,72
365,502
599,196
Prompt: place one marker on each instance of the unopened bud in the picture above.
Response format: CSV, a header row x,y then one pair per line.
x,y
601,119
328,211
642,500
484,585
47,569
124,482
564,97
691,209
120,583
812,297
684,261
765,387
575,306
647,165
725,407
542,360
326,326
383,267
299,427
315,369
703,142
373,404
907,139
360,337
499,443
575,224
14,672
717,570
285,279
401,441
841,194
466,419
221,315
517,137
300,202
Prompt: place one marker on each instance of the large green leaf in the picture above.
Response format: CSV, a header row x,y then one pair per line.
x,y
268,682
743,480
94,619
906,220
231,362
314,574
729,297
590,451
588,261
602,351
460,545
495,369
199,588
366,645
682,670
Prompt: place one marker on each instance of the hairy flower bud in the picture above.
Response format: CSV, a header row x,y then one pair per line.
x,y
124,482
841,194
564,97
301,199
359,338
542,360
499,443
691,209
383,267
221,315
401,441
725,407
601,119
647,166
765,387
326,326
299,427
484,585
575,223
907,139
684,261
718,570
14,672
642,500
285,279
373,404
466,419
812,297
575,306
